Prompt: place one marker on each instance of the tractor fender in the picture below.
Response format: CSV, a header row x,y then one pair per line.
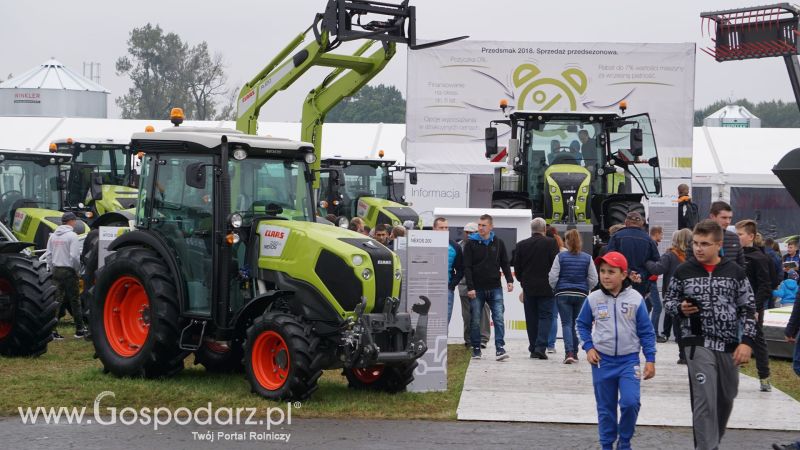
x,y
14,247
112,219
143,238
255,308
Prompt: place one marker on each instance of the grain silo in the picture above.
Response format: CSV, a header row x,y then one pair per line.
x,y
53,90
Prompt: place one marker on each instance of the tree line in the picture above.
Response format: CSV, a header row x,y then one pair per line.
x,y
166,71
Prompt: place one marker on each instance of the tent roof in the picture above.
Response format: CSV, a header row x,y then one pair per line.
x,y
51,74
732,112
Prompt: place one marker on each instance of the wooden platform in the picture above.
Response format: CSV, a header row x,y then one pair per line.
x,y
521,389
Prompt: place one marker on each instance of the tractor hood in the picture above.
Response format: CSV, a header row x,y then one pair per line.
x,y
788,171
381,211
341,265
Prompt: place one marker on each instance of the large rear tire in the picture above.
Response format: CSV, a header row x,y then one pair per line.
x,y
279,355
618,211
509,203
33,306
135,318
389,379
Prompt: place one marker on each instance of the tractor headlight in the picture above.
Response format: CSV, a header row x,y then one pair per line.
x,y
239,154
398,274
582,199
342,222
358,260
557,199
310,158
236,220
366,274
552,189
585,189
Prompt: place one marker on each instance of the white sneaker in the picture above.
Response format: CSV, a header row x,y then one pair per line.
x,y
551,350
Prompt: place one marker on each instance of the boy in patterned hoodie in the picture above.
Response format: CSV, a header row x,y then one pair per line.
x,y
712,298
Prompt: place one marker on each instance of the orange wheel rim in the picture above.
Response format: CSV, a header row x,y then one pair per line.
x,y
270,360
368,375
5,325
126,316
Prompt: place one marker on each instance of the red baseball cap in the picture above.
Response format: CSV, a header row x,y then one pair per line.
x,y
613,259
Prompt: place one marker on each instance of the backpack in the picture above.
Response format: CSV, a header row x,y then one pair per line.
x,y
690,213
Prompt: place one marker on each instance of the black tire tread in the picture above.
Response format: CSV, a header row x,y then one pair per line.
x,y
36,306
394,379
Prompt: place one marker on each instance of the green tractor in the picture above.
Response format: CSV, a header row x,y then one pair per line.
x,y
31,195
364,188
585,169
227,262
100,176
27,299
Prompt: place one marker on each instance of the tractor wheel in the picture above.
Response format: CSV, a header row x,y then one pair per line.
x,y
381,378
509,203
619,210
135,318
220,358
279,352
33,306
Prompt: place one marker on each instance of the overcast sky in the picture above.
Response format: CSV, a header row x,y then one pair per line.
x,y
249,33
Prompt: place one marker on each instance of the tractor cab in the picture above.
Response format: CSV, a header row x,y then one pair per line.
x,y
30,194
100,177
576,167
364,188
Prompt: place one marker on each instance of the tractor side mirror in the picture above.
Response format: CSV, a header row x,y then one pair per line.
x,y
96,188
412,177
637,145
196,175
491,141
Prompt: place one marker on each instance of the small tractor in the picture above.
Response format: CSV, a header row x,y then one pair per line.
x,y
100,177
227,262
365,189
31,194
28,305
584,169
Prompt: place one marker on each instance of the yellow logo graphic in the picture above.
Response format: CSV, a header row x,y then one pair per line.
x,y
547,93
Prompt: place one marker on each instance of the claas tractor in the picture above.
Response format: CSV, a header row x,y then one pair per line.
x,y
364,188
27,299
100,176
583,169
226,261
31,195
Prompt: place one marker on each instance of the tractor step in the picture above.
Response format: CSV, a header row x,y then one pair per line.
x,y
190,340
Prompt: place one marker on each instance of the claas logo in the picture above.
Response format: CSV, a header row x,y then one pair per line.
x,y
274,234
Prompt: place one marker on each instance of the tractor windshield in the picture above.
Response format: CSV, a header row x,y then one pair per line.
x,y
27,184
109,161
570,142
365,180
263,186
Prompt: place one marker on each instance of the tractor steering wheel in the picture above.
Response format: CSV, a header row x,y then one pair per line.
x,y
13,191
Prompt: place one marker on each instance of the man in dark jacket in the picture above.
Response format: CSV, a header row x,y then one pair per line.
x,y
722,213
792,332
713,299
533,259
455,264
484,256
756,265
636,245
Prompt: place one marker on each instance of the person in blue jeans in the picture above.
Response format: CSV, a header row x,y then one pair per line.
x,y
572,276
484,257
792,333
614,327
455,264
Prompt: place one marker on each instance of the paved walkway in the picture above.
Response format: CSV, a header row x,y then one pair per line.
x,y
521,389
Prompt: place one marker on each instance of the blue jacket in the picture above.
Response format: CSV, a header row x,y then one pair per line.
x,y
573,274
455,265
622,326
637,246
787,292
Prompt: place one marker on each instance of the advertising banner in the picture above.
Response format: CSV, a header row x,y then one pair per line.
x,y
455,90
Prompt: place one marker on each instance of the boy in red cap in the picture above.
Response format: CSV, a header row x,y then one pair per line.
x,y
622,328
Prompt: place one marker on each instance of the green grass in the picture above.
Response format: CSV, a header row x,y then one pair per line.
x,y
782,376
68,375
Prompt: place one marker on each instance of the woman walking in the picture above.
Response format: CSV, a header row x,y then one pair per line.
x,y
670,261
572,276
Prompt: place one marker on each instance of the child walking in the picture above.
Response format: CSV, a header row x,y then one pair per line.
x,y
622,328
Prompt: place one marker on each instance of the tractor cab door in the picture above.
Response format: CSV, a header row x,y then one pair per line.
x,y
183,215
633,147
79,182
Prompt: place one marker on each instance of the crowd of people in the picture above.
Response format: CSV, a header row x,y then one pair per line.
x,y
716,285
